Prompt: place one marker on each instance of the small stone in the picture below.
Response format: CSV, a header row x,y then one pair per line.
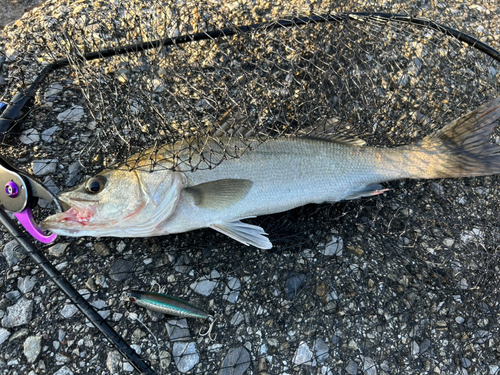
x,y
74,114
100,280
262,365
237,319
206,284
59,249
459,320
13,295
11,54
62,358
293,285
232,290
415,348
203,103
127,367
4,335
18,314
74,171
185,355
101,249
99,304
466,362
69,310
19,334
29,136
156,85
117,317
63,371
114,362
165,359
121,270
90,283
52,91
61,335
352,368
183,264
236,362
369,367
44,167
425,345
32,348
352,345
11,252
48,134
303,355
138,334
334,247
357,250
320,350
321,290
448,242
26,284
178,330
49,183
464,284
482,336
121,246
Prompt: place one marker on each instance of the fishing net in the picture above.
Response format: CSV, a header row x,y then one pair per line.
x,y
404,283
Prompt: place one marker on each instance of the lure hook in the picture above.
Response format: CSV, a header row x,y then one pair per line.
x,y
210,328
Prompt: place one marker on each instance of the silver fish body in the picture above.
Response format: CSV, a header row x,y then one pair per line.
x,y
276,176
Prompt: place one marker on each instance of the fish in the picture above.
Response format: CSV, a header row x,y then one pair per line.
x,y
274,176
165,304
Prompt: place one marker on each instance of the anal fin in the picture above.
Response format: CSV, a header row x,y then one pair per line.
x,y
247,234
367,192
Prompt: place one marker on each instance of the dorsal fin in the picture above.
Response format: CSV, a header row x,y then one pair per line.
x,y
338,138
232,124
325,131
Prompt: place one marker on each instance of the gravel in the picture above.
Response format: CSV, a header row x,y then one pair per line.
x,y
32,348
59,249
4,335
18,314
185,355
236,362
405,283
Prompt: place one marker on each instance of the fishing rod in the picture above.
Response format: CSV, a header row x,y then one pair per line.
x,y
21,190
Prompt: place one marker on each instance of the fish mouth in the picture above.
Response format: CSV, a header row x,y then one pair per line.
x,y
79,213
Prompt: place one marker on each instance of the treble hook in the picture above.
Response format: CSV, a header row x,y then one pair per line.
x,y
210,327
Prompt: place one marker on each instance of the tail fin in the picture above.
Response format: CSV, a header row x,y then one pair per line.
x,y
463,147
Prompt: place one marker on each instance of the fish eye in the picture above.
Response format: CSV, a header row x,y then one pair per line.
x,y
95,184
131,299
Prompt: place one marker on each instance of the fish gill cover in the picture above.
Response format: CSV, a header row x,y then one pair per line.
x,y
404,283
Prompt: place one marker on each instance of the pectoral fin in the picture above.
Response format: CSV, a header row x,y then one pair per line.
x,y
247,234
221,193
367,191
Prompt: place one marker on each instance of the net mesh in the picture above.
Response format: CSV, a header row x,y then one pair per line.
x,y
404,283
